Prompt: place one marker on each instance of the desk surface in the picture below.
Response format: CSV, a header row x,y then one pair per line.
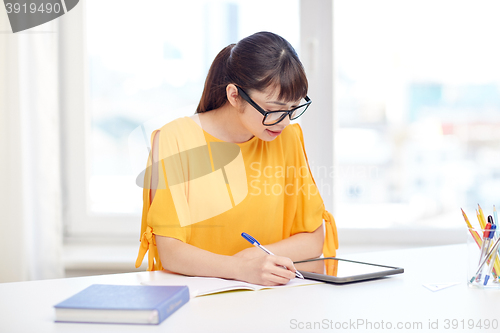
x,y
397,301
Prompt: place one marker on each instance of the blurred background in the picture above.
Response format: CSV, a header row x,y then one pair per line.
x,y
404,128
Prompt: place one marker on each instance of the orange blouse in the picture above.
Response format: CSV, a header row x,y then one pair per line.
x,y
210,191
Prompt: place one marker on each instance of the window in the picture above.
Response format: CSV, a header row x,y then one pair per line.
x,y
417,92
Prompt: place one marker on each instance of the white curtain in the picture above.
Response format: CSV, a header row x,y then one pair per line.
x,y
30,155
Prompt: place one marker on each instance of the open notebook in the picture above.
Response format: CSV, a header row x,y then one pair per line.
x,y
199,286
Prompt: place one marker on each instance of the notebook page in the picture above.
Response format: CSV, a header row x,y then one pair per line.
x,y
199,286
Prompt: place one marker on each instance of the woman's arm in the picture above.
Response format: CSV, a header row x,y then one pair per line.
x,y
179,257
302,246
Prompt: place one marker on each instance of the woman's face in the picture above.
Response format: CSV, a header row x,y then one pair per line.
x,y
268,101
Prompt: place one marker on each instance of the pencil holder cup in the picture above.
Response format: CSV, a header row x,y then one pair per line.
x,y
483,259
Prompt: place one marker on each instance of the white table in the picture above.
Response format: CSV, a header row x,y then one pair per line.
x,y
398,300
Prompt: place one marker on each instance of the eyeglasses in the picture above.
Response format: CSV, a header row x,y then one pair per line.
x,y
274,117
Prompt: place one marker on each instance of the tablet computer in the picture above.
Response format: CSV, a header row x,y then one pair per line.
x,y
336,270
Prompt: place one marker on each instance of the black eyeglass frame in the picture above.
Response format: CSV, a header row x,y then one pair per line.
x,y
247,98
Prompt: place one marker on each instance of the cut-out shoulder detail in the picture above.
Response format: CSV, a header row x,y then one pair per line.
x,y
196,119
154,166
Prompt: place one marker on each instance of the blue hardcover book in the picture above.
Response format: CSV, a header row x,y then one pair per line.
x,y
117,304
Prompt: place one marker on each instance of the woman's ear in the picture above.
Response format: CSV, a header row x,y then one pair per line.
x,y
232,95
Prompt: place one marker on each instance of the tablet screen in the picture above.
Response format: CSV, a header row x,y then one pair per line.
x,y
340,267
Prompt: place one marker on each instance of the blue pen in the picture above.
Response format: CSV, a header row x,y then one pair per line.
x,y
254,242
497,235
487,236
494,255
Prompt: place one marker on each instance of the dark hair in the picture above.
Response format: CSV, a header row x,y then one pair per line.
x,y
255,62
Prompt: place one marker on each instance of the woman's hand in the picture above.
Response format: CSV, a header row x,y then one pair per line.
x,y
266,270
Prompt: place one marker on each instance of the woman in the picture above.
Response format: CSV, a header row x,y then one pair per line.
x,y
236,166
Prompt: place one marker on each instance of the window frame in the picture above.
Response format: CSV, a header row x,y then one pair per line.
x,y
79,222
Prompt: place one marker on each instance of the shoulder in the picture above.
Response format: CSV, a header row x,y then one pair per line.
x,y
178,125
179,129
292,143
293,134
179,135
